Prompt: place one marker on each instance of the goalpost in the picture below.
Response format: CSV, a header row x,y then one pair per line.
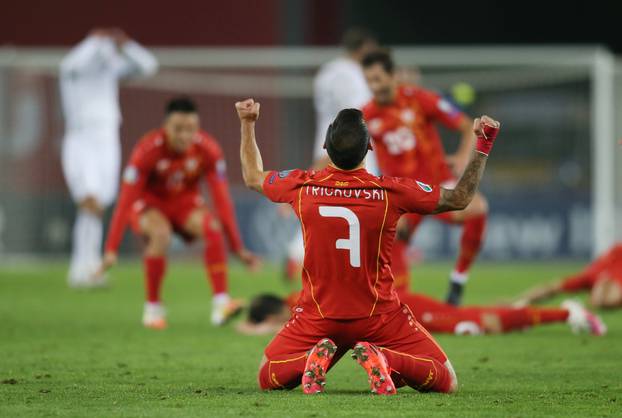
x,y
551,99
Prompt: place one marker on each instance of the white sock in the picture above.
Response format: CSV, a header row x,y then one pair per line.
x,y
87,237
94,240
221,298
460,278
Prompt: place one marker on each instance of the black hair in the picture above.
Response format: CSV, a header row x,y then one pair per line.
x,y
354,38
347,139
264,305
382,57
180,104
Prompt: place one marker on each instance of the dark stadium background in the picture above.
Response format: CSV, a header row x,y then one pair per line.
x,y
36,190
316,22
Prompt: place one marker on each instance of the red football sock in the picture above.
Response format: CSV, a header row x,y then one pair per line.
x,y
283,373
215,256
399,265
513,318
422,373
520,318
547,315
473,230
154,274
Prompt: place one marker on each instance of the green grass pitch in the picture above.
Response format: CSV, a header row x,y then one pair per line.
x,y
76,354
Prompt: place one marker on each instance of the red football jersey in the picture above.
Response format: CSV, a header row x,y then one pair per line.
x,y
607,266
405,138
348,221
156,171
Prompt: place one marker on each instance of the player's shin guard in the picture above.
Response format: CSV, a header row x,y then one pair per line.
x,y
285,373
422,373
215,256
155,267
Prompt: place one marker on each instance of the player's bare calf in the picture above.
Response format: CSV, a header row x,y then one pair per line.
x,y
376,367
318,361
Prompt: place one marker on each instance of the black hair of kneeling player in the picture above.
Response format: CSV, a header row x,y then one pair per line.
x,y
347,139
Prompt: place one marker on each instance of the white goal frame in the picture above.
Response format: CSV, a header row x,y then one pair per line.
x,y
594,62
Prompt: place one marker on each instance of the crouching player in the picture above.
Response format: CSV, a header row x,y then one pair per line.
x,y
602,278
348,218
160,195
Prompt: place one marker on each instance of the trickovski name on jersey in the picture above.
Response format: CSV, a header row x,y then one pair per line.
x,y
367,194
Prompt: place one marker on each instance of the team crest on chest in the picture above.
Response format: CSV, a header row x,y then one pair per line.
x,y
407,116
191,164
162,165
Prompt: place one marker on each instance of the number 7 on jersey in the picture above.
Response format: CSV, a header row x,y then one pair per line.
x,y
353,243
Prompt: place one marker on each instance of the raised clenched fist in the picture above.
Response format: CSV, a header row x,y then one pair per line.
x,y
248,110
486,130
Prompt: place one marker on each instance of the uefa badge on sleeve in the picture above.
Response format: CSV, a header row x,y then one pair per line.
x,y
130,174
425,187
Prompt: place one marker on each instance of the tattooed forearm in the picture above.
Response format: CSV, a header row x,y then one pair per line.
x,y
252,165
461,196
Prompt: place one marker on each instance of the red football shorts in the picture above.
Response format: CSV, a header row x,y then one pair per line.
x,y
176,210
397,330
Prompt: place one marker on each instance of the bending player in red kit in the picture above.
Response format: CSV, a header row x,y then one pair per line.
x,y
160,195
348,219
603,278
402,121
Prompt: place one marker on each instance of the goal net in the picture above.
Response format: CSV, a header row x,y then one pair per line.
x,y
553,182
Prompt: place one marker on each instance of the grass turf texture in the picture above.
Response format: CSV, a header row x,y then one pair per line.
x,y
71,354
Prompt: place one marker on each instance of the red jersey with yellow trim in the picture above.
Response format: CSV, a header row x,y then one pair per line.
x,y
156,172
348,222
405,138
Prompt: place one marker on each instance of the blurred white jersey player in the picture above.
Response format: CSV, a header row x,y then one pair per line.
x,y
339,84
91,155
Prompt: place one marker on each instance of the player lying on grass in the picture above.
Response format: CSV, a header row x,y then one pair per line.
x,y
267,313
603,278
160,195
403,121
348,218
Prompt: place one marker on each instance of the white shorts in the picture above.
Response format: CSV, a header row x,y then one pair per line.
x,y
91,165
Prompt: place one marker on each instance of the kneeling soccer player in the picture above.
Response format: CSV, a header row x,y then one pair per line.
x,y
160,194
348,219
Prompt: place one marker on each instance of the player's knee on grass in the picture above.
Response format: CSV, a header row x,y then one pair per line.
x,y
453,387
282,375
262,363
606,293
